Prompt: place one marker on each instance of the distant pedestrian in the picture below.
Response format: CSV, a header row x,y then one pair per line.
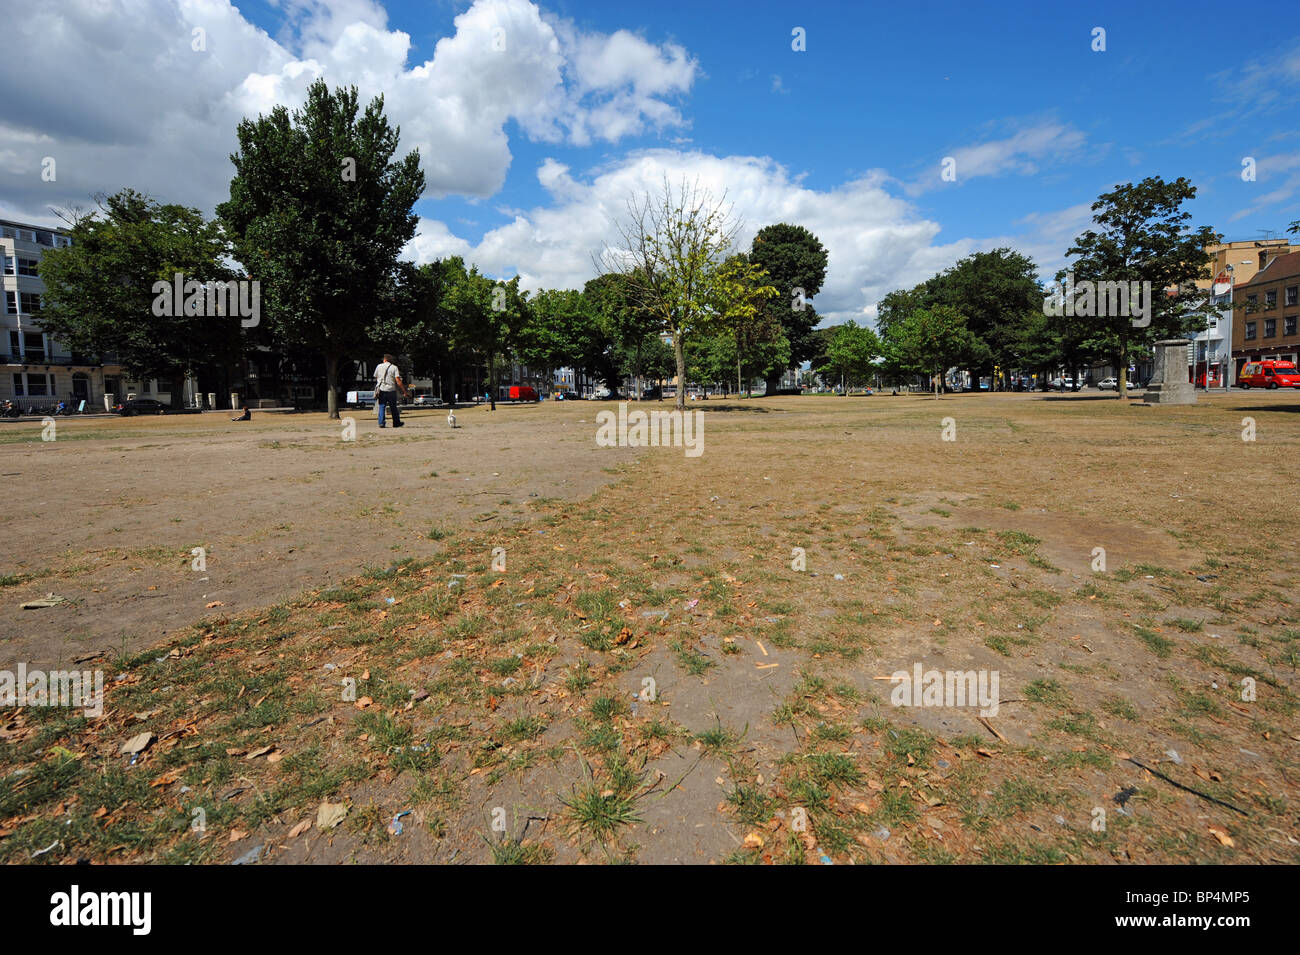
x,y
388,382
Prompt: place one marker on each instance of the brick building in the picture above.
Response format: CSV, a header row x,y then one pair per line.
x,y
1265,311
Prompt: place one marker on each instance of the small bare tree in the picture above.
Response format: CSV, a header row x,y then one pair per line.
x,y
673,244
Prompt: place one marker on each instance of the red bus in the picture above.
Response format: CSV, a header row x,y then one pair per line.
x,y
516,393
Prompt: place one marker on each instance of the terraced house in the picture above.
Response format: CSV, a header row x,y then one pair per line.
x,y
36,370
1266,310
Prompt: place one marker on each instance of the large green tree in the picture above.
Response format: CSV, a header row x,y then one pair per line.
x,y
100,296
319,210
795,262
563,331
1141,236
756,338
997,290
489,318
930,341
627,330
851,354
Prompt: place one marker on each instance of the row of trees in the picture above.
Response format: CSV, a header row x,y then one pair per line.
x,y
988,313
320,207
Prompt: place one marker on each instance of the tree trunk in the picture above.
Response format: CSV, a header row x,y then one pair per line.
x,y
1122,360
332,385
492,381
178,391
679,354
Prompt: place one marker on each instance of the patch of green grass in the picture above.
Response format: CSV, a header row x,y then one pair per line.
x,y
597,813
693,661
1049,692
718,738
523,728
1122,709
510,852
910,742
605,708
753,807
579,678
1159,645
833,769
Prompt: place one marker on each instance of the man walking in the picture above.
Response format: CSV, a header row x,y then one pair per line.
x,y
388,380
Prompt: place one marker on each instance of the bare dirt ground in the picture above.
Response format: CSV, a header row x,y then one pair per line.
x,y
684,659
112,509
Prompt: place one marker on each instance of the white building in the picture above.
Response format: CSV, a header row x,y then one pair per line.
x,y
1213,344
36,370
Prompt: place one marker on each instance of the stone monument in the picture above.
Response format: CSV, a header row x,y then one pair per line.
x,y
1169,384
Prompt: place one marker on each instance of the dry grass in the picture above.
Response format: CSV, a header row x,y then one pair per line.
x,y
651,680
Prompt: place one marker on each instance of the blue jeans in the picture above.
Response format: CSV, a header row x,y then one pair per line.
x,y
389,399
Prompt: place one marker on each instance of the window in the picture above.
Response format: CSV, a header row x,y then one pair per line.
x,y
28,266
1252,303
7,232
1270,328
14,347
30,302
1288,325
11,303
36,385
1250,331
18,386
45,238
34,343
1293,295
9,265
1270,298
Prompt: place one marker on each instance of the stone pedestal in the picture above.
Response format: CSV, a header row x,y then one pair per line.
x,y
1169,384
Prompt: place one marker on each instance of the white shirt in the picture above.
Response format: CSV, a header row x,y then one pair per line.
x,y
386,376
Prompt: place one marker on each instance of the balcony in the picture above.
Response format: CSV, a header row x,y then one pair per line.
x,y
31,358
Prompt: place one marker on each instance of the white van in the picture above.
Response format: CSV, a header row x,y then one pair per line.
x,y
360,399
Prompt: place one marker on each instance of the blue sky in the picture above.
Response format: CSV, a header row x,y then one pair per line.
x,y
537,146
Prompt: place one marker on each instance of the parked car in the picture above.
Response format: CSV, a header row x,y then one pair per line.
x,y
138,406
1269,374
428,401
1108,384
